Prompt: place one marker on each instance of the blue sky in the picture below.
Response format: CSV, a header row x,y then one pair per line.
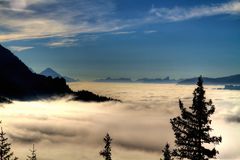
x,y
89,39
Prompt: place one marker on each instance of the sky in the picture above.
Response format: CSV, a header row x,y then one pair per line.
x,y
91,39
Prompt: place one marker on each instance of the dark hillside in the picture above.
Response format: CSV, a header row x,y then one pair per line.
x,y
18,82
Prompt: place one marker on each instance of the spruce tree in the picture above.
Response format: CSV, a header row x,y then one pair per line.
x,y
166,153
192,128
106,152
5,148
33,155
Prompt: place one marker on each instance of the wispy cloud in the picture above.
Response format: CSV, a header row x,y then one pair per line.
x,y
25,19
28,19
150,31
63,43
180,14
123,32
20,48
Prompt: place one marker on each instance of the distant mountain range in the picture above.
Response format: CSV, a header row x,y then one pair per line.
x,y
142,80
18,82
232,87
233,79
50,72
156,80
109,79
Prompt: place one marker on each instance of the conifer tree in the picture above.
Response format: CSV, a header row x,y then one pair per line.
x,y
5,148
192,128
106,152
166,153
33,155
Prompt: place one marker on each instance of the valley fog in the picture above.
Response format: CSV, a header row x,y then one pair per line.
x,y
139,125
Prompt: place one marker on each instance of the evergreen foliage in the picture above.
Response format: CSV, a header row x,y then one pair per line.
x,y
33,155
106,152
166,153
192,128
5,148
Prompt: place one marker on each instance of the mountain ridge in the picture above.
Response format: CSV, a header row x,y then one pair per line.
x,y
109,79
18,82
156,80
141,80
232,79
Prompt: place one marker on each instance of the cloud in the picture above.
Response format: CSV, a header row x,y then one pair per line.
x,y
27,19
139,125
150,31
20,48
234,119
180,14
63,43
42,19
23,138
123,32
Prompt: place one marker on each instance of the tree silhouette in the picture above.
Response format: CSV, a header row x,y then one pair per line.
x,y
5,148
166,153
106,152
33,155
192,128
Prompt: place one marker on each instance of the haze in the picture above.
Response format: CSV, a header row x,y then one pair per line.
x,y
139,125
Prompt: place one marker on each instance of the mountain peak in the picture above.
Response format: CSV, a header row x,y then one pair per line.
x,y
49,69
50,72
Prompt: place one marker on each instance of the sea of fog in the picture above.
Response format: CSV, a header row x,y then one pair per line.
x,y
139,126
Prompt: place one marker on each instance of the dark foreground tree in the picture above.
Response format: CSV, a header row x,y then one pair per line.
x,y
5,148
192,128
106,152
33,155
166,153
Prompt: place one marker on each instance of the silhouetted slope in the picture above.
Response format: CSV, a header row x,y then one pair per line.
x,y
89,96
234,79
18,82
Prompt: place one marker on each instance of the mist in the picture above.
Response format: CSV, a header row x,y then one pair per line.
x,y
139,125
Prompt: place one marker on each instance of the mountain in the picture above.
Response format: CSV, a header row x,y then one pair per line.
x,y
50,72
18,82
109,79
233,79
142,80
232,87
156,80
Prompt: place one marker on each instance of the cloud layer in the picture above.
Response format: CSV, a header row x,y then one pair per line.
x,y
25,19
139,126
